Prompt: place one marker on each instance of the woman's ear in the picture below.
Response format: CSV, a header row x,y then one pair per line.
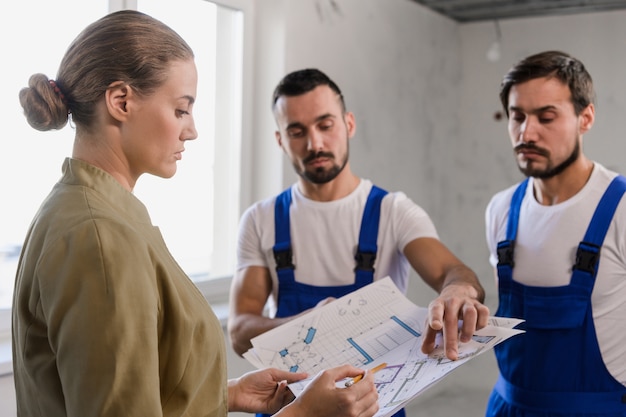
x,y
116,98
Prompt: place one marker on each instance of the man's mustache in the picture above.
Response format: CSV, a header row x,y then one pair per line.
x,y
316,155
531,147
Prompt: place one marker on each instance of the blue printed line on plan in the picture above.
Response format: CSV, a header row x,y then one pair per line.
x,y
357,347
309,336
405,326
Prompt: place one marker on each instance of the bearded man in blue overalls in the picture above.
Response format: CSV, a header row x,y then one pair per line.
x,y
333,232
558,242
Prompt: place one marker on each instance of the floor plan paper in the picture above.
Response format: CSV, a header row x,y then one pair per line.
x,y
372,325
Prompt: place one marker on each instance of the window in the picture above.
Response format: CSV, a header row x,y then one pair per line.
x,y
34,163
198,209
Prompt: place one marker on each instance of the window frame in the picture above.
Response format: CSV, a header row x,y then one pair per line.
x,y
217,290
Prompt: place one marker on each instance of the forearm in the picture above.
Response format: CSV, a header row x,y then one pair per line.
x,y
232,395
441,269
244,327
462,276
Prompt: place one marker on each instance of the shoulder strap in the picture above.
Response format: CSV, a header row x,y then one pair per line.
x,y
506,247
367,248
588,253
282,243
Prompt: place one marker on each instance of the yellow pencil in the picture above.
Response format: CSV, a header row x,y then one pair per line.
x,y
359,377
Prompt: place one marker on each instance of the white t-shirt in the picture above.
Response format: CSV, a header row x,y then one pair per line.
x,y
545,251
324,237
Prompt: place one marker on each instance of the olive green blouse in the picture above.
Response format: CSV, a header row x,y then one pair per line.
x,y
105,322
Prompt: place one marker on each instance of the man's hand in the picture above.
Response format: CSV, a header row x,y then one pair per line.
x,y
457,304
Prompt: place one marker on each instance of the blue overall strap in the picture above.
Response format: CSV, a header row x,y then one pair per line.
x,y
367,248
588,253
505,247
282,246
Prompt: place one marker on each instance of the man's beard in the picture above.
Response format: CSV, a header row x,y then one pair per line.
x,y
320,175
548,172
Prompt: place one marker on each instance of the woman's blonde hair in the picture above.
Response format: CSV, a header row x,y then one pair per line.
x,y
127,46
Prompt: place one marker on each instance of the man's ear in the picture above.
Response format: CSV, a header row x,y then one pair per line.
x,y
350,123
587,117
116,98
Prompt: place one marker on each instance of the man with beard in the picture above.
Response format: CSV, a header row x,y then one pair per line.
x,y
333,232
558,243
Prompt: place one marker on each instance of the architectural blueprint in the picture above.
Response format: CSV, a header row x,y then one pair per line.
x,y
370,326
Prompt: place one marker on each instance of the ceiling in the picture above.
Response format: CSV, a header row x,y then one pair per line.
x,y
480,10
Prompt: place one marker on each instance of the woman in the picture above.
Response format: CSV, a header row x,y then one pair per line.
x,y
105,322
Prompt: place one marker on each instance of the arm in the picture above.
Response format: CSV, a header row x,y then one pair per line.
x,y
102,309
266,391
460,294
249,292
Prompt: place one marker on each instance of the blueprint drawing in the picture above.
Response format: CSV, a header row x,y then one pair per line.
x,y
372,325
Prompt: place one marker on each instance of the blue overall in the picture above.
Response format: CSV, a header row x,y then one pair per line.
x,y
555,368
294,297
